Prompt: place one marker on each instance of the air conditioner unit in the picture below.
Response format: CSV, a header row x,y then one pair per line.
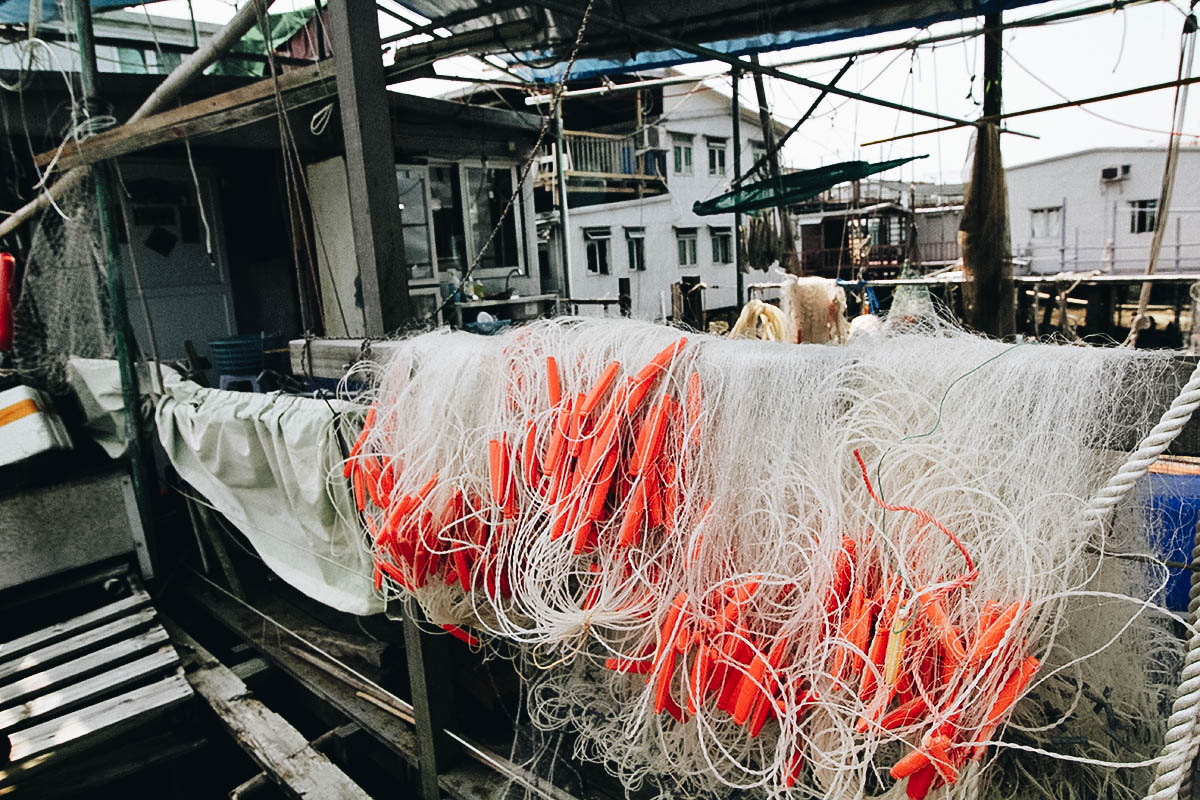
x,y
651,137
1111,174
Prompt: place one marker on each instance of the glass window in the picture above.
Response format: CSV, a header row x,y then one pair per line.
x,y
445,202
682,147
488,192
1045,223
414,219
685,242
722,245
596,242
716,156
635,246
1143,216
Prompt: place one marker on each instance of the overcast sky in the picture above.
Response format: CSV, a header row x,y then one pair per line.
x,y
1080,58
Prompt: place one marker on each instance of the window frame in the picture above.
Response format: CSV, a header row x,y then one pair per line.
x,y
469,245
598,240
717,149
635,241
421,170
1046,211
687,243
1143,216
682,147
725,235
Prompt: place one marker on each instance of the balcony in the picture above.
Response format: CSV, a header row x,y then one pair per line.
x,y
600,164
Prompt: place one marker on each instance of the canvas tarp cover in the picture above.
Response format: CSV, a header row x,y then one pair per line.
x,y
269,463
792,187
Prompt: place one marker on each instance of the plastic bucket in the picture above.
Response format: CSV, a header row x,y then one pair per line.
x,y
241,355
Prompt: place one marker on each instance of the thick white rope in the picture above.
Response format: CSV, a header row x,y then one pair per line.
x,y
1179,747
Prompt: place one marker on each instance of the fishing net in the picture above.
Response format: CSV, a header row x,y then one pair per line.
x,y
790,570
62,309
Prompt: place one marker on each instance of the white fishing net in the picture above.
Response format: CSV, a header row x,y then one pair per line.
x,y
63,308
804,571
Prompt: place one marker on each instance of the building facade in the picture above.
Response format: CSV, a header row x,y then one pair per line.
x,y
634,249
1097,210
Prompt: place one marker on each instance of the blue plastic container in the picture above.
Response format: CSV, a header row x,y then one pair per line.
x,y
1174,508
241,355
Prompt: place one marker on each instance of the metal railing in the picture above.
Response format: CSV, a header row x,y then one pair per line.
x,y
600,155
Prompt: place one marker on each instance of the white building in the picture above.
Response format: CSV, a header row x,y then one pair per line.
x,y
640,247
1097,209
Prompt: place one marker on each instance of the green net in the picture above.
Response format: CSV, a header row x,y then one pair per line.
x,y
793,187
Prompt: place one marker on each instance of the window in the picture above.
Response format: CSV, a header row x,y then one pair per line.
x,y
682,146
635,246
722,245
445,203
1143,216
596,240
414,219
716,156
1045,223
685,241
488,190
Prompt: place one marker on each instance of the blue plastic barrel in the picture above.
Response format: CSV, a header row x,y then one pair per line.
x,y
241,355
1174,508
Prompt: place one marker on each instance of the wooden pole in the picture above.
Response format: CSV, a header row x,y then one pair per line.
x,y
788,258
990,295
370,166
735,75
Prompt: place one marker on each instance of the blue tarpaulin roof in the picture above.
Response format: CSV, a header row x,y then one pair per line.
x,y
735,27
18,12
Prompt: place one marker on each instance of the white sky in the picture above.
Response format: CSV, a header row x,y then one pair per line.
x,y
1090,56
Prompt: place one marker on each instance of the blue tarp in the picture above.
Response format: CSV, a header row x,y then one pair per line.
x,y
923,14
16,12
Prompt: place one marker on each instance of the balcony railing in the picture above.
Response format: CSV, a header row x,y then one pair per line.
x,y
598,155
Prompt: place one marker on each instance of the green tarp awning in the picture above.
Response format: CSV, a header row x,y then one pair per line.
x,y
793,187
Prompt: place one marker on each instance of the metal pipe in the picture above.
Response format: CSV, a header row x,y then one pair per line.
x,y
563,215
118,313
617,88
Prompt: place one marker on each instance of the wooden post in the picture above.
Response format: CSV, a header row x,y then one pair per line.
x,y
432,700
370,166
990,297
789,261
735,74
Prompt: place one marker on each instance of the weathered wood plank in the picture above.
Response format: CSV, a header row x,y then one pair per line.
x,y
232,109
278,748
36,747
79,694
62,630
78,644
82,667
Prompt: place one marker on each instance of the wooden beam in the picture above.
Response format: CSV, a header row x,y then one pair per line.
x,y
62,630
282,752
44,744
253,103
79,694
370,168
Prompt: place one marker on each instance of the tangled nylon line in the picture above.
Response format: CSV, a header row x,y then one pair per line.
x,y
701,576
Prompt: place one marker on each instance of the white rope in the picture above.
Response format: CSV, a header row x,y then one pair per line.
x,y
1179,746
